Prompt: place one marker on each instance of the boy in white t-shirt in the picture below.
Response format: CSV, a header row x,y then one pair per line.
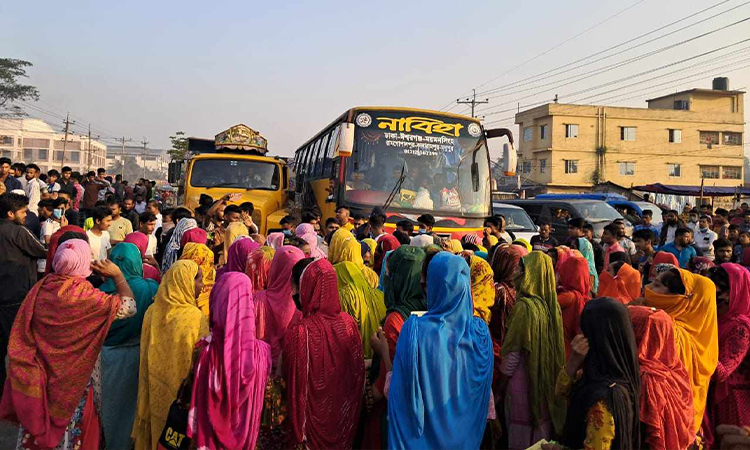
x,y
147,227
98,235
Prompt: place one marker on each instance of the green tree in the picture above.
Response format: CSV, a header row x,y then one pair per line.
x,y
11,70
179,146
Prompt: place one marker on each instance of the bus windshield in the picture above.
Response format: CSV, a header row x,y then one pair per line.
x,y
235,173
434,152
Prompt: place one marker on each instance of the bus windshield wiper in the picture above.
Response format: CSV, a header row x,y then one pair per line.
x,y
227,184
396,188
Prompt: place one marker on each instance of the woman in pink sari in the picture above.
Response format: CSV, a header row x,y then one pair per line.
x,y
140,240
275,240
231,371
308,234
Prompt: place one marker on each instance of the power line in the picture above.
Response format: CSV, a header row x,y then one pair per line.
x,y
473,102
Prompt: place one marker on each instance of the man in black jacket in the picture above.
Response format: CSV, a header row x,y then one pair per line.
x,y
19,250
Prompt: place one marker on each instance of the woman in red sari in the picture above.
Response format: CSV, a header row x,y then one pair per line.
x,y
54,372
323,364
573,291
386,243
621,282
729,402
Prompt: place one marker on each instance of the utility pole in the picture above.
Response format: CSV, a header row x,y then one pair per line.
x,y
67,123
122,154
88,169
143,157
473,101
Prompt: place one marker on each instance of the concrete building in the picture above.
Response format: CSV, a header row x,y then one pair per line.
x,y
680,139
34,141
153,158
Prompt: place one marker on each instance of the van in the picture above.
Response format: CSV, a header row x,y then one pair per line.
x,y
517,221
557,212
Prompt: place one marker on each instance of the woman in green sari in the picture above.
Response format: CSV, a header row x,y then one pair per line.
x,y
120,355
361,301
533,354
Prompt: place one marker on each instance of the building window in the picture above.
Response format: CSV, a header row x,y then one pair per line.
x,y
675,136
571,166
732,138
28,154
683,105
731,172
75,157
674,170
543,130
542,165
528,134
709,138
627,133
527,167
6,140
711,172
37,143
7,153
43,154
69,145
571,130
627,168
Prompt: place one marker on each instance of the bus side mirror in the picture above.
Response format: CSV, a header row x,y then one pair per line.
x,y
475,176
345,143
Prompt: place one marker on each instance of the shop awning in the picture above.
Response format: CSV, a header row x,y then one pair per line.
x,y
695,191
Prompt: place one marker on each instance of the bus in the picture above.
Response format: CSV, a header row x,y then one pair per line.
x,y
407,161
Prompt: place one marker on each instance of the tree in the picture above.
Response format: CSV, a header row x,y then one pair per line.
x,y
11,70
179,146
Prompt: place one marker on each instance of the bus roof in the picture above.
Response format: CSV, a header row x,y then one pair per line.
x,y
245,155
349,116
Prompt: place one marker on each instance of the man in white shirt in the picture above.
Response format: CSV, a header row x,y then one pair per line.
x,y
147,226
704,237
140,204
98,235
33,187
154,207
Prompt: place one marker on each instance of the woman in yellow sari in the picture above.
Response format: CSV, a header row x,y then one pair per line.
x,y
171,328
234,230
204,257
361,301
372,243
344,247
454,246
482,287
690,300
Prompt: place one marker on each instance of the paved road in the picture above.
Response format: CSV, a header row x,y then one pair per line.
x,y
8,436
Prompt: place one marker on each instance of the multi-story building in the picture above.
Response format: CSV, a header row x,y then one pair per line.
x,y
683,139
154,159
34,141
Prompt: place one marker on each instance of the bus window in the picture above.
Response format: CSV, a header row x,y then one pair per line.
x,y
328,160
314,155
321,155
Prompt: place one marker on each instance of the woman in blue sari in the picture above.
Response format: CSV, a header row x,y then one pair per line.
x,y
587,250
120,355
442,372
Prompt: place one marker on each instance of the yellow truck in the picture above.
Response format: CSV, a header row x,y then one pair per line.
x,y
234,161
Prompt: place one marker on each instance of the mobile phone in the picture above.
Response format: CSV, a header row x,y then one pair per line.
x,y
57,213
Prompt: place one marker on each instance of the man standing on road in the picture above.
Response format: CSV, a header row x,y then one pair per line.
x,y
19,250
6,177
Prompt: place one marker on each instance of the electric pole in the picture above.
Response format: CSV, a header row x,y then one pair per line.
x,y
143,157
88,169
122,165
473,101
67,123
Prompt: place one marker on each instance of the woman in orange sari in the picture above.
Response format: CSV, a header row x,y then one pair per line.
x,y
573,291
621,282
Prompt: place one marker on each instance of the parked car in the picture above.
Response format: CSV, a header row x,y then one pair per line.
x,y
557,212
655,209
629,210
517,220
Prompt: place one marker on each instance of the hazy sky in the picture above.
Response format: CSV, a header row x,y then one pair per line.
x,y
148,69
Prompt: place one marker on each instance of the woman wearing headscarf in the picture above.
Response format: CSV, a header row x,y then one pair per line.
x,y
659,259
231,371
196,235
275,240
700,265
54,370
172,251
482,287
453,246
442,370
523,243
323,345
475,240
344,247
690,300
121,351
258,266
171,328
603,407
504,266
53,242
620,281
140,240
573,291
234,232
237,257
533,354
204,257
386,243
666,405
587,251
308,234
730,400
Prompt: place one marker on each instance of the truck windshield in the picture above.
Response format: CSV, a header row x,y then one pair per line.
x,y
436,154
235,173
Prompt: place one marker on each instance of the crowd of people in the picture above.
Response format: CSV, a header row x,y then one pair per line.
x,y
132,326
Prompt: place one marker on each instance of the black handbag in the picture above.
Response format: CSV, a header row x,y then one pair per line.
x,y
174,435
